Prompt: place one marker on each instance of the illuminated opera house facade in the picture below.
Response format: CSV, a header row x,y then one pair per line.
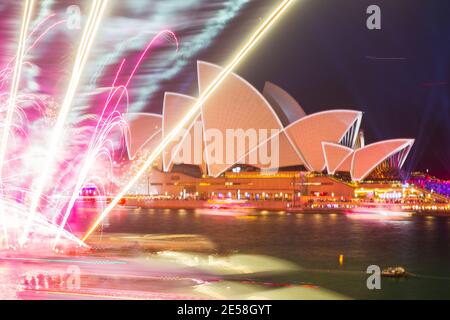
x,y
320,154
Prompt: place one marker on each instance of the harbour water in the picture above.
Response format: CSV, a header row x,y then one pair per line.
x,y
313,242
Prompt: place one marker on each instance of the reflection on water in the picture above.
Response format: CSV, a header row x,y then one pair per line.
x,y
311,241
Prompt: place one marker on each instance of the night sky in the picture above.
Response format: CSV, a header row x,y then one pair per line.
x,y
321,52
324,55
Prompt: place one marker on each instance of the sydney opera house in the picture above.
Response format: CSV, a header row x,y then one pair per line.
x,y
321,153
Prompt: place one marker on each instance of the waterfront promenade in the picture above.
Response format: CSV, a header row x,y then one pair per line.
x,y
299,206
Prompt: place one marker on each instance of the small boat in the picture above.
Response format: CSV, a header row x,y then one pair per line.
x,y
394,272
378,213
228,204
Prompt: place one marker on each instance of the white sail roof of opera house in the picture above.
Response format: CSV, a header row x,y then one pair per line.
x,y
235,105
335,156
366,159
143,132
285,106
175,107
361,162
319,141
308,133
287,153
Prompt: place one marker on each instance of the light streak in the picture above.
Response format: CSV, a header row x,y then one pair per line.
x,y
28,10
43,34
93,22
71,261
104,127
38,25
33,31
253,40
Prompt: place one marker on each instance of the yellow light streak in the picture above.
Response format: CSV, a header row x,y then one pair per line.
x,y
193,112
93,22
